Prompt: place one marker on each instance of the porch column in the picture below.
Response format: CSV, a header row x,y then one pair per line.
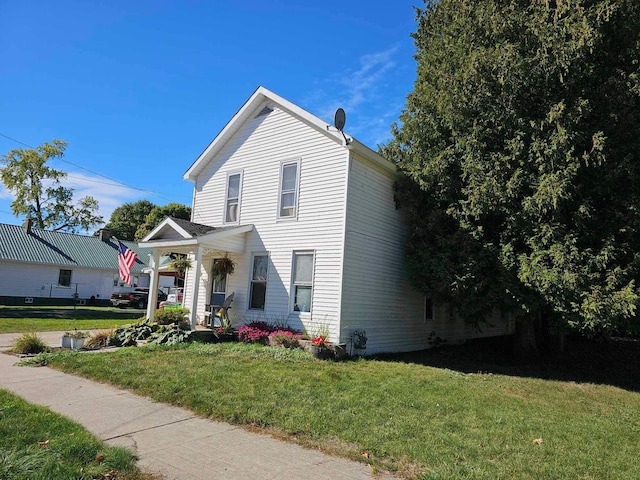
x,y
153,284
197,276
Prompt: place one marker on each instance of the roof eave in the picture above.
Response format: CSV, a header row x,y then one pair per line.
x,y
255,100
372,156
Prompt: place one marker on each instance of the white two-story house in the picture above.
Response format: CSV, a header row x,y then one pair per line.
x,y
308,215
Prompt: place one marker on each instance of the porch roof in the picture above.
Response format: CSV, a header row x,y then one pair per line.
x,y
177,235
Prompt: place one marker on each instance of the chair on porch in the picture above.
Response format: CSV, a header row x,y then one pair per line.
x,y
213,313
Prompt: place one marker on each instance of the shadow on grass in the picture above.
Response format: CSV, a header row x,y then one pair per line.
x,y
66,313
615,362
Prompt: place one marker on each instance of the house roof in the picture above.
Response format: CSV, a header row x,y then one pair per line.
x,y
175,234
64,249
193,229
253,106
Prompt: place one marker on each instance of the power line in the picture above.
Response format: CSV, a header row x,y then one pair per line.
x,y
117,183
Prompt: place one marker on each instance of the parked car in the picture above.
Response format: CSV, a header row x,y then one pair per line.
x,y
135,298
174,298
175,295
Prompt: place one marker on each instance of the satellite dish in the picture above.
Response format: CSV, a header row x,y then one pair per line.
x,y
339,119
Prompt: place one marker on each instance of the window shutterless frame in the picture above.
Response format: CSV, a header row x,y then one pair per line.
x,y
64,278
259,276
302,273
232,199
429,309
289,189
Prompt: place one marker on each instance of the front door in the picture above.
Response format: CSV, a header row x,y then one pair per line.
x,y
218,288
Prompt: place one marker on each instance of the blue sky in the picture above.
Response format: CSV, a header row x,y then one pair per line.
x,y
139,88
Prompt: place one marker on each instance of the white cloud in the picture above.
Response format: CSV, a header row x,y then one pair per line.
x,y
369,93
4,193
108,194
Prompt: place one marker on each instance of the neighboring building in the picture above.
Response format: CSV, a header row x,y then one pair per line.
x,y
309,217
43,267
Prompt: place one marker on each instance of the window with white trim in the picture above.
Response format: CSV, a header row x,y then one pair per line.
x,y
288,193
302,279
232,198
259,275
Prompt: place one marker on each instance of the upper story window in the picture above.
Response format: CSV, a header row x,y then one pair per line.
x,y
64,278
232,201
289,184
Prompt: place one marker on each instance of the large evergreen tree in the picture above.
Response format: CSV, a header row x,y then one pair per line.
x,y
519,149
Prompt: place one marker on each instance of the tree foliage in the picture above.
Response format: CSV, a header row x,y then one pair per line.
x,y
158,214
519,148
126,219
133,221
39,193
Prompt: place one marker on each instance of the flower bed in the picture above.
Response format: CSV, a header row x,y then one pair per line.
x,y
266,334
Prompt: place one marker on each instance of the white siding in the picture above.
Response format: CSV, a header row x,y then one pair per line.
x,y
257,150
35,280
376,294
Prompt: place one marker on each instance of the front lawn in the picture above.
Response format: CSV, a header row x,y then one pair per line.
x,y
423,421
48,319
36,443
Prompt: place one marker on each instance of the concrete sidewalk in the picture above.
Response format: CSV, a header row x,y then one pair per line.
x,y
169,440
52,339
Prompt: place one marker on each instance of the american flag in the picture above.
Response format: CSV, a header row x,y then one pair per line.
x,y
126,259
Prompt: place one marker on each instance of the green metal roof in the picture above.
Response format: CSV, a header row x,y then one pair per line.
x,y
57,248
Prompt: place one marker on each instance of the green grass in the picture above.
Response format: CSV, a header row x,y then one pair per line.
x,y
36,443
47,319
424,422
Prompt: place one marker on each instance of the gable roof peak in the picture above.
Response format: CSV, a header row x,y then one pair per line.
x,y
254,106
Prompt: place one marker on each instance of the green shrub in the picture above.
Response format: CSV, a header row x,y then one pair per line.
x,y
128,335
172,335
167,316
30,343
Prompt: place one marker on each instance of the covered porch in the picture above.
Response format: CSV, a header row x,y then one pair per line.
x,y
201,243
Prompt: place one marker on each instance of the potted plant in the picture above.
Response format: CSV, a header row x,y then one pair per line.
x,y
223,266
65,340
226,332
320,347
77,339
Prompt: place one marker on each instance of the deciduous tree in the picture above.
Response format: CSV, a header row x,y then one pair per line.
x,y
127,218
158,214
39,193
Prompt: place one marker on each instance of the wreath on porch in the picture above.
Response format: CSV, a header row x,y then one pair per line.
x,y
223,266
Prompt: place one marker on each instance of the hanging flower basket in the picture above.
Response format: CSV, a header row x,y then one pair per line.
x,y
223,266
181,263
